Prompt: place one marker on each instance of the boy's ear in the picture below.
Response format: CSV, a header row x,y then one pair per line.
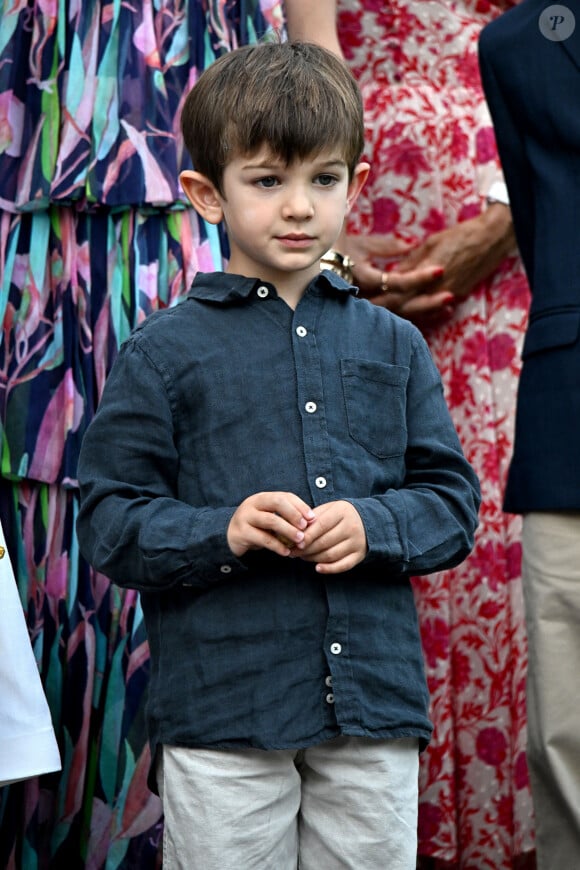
x,y
203,195
357,182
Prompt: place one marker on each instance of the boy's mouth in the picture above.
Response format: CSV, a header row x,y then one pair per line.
x,y
296,240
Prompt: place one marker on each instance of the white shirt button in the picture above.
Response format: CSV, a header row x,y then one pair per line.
x,y
226,569
335,649
328,681
262,292
310,407
330,698
320,482
301,331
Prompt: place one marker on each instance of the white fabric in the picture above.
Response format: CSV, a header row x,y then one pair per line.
x,y
346,804
27,742
498,192
551,575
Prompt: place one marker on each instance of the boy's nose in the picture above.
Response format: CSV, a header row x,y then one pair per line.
x,y
298,204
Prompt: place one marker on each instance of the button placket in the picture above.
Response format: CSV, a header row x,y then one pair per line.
x,y
307,358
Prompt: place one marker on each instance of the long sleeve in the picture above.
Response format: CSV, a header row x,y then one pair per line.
x,y
27,741
428,523
512,153
133,525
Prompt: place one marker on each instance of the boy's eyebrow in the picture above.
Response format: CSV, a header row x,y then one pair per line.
x,y
275,163
267,163
330,164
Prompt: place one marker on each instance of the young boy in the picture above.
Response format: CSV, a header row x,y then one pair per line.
x,y
271,460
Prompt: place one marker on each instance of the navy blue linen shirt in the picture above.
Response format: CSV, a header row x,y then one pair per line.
x,y
231,393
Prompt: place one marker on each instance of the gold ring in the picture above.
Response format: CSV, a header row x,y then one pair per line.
x,y
385,282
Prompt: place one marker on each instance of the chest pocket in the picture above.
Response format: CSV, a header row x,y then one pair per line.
x,y
375,400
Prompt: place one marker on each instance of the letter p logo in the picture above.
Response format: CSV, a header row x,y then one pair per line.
x,y
557,23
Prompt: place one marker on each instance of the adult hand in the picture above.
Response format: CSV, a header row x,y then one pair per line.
x,y
467,252
412,293
432,276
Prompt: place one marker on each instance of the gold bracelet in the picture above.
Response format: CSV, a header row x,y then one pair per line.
x,y
339,263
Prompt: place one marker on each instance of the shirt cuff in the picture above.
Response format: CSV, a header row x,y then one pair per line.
x,y
498,193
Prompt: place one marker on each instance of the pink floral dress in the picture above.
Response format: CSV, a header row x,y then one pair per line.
x,y
432,150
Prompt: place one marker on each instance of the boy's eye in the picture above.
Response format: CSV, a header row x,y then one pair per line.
x,y
267,181
326,180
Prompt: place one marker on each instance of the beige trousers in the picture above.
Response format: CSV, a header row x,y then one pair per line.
x,y
551,583
349,803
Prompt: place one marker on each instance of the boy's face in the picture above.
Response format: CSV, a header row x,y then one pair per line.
x,y
281,219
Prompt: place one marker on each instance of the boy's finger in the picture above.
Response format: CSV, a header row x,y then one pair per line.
x,y
290,536
292,509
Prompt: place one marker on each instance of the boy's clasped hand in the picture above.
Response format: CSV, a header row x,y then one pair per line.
x,y
331,535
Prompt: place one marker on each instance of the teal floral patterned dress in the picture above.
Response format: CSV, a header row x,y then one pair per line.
x,y
94,236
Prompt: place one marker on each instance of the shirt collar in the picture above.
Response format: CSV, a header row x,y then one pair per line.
x,y
226,287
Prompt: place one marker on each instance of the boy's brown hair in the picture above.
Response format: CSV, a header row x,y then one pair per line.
x,y
296,98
